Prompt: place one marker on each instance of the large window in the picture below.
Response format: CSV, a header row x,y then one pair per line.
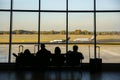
x,y
63,23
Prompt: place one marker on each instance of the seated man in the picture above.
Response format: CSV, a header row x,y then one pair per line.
x,y
43,57
74,57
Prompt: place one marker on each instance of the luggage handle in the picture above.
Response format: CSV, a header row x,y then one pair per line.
x,y
21,47
98,51
36,45
96,48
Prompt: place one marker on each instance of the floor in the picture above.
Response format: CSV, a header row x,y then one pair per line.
x,y
59,75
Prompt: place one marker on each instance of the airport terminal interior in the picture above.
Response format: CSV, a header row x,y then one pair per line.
x,y
90,29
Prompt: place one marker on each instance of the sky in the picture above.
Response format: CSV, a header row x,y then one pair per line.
x,y
57,21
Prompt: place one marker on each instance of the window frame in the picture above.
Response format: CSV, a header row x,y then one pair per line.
x,y
67,11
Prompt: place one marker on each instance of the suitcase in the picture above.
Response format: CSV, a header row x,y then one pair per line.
x,y
96,63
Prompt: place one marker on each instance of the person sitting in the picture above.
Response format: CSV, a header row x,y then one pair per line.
x,y
43,57
57,58
74,57
27,52
24,59
27,58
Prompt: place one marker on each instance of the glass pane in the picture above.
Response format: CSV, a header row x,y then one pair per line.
x,y
108,27
5,4
4,50
108,4
110,53
81,31
53,4
25,27
53,27
80,4
4,26
108,31
81,27
26,4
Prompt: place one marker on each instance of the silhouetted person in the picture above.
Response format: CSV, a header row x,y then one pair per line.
x,y
43,51
74,57
43,57
27,52
75,51
28,58
24,59
57,51
58,58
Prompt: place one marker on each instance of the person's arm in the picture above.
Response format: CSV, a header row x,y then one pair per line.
x,y
82,56
15,55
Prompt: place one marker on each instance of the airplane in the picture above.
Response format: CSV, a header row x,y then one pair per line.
x,y
83,39
60,41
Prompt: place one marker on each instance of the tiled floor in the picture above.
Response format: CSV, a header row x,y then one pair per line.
x,y
58,75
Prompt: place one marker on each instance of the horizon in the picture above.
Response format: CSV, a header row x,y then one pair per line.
x,y
58,30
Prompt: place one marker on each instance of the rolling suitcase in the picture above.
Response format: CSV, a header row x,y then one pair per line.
x,y
96,63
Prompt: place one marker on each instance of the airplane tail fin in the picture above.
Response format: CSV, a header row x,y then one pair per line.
x,y
92,38
68,38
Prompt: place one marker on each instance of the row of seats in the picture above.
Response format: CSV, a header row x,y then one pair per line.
x,y
44,58
42,61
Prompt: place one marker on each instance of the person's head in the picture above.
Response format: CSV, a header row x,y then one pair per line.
x,y
27,51
42,46
69,52
75,48
57,50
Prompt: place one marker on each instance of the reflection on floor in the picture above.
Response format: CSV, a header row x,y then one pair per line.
x,y
58,75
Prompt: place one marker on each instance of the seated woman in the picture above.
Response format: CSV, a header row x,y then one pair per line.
x,y
24,59
27,58
27,52
57,58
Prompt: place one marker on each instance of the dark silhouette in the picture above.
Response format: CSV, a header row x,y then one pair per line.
x,y
15,55
57,51
24,59
43,51
27,58
27,52
57,58
43,57
74,58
